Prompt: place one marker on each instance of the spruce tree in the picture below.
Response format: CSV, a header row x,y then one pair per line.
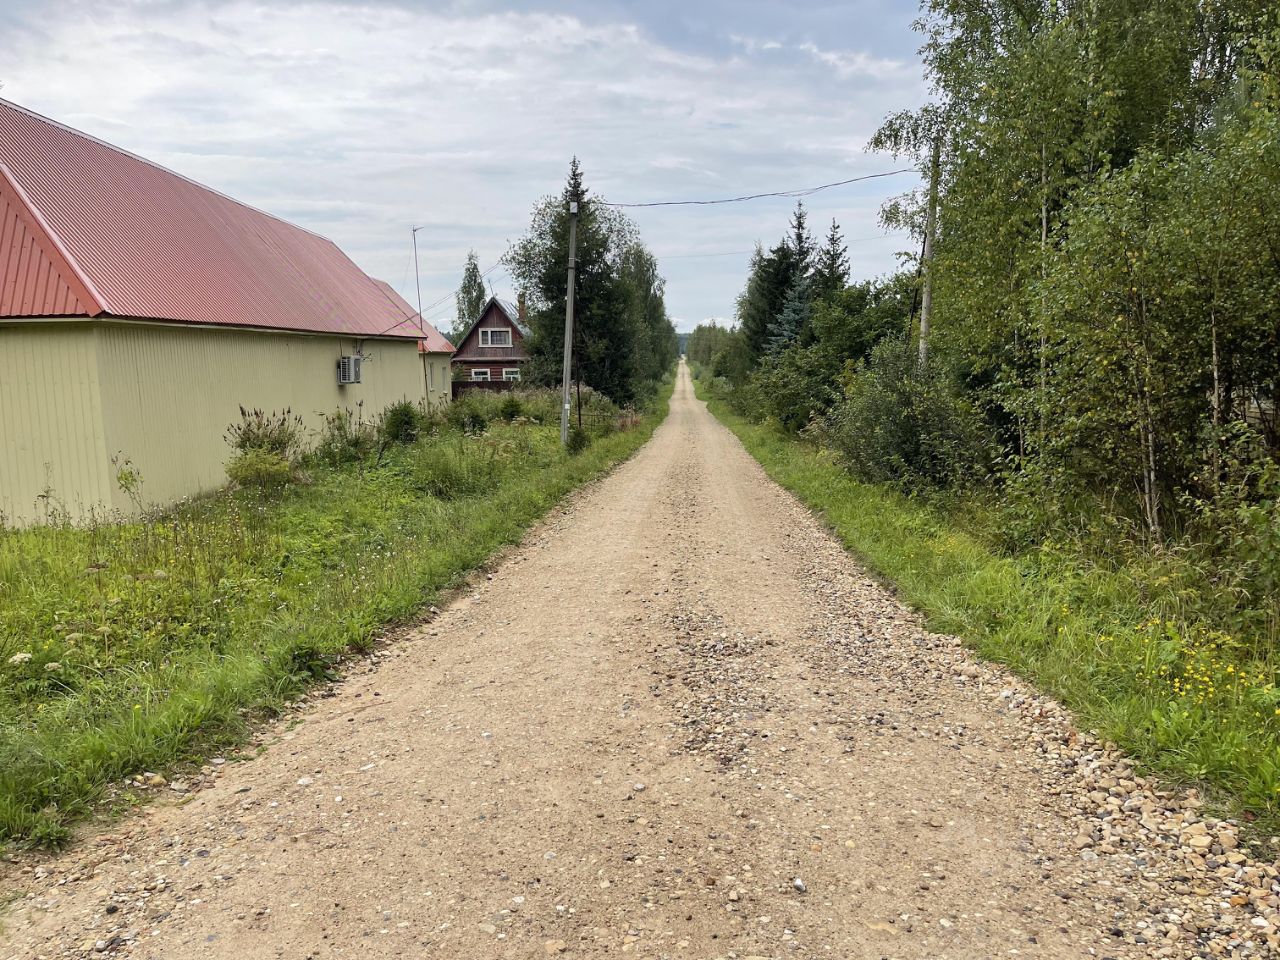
x,y
793,319
470,299
801,240
831,269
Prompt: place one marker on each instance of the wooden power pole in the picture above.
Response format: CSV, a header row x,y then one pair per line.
x,y
568,322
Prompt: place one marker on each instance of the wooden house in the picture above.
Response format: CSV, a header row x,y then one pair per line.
x,y
491,353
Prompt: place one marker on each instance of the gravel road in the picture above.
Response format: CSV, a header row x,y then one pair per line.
x,y
678,721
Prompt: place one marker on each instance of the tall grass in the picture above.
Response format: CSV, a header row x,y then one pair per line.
x,y
135,645
1114,644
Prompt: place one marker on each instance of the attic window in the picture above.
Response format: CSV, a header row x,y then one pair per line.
x,y
495,338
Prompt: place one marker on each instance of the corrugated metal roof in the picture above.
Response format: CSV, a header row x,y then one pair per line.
x,y
149,243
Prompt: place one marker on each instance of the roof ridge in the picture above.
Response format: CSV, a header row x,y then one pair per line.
x,y
158,166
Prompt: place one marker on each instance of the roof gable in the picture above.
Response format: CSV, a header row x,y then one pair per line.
x,y
36,278
500,310
149,243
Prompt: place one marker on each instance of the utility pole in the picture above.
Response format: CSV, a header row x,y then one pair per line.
x,y
930,225
568,321
416,280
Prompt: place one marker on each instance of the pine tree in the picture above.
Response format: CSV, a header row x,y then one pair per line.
x,y
831,269
470,299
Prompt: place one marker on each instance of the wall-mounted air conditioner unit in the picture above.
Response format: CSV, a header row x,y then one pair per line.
x,y
349,369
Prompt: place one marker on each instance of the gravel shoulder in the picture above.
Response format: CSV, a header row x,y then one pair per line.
x,y
678,721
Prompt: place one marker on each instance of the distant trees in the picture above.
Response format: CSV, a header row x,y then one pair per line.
x,y
623,340
470,298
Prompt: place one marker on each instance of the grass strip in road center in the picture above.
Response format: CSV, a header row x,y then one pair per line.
x,y
135,646
1101,641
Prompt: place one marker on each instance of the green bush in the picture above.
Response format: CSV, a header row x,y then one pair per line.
x,y
261,469
510,407
901,423
579,439
472,411
401,422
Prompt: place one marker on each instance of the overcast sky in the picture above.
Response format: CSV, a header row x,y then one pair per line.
x,y
360,120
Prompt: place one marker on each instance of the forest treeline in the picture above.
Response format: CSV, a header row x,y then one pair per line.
x,y
1097,266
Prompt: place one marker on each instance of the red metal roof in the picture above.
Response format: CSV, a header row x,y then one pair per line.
x,y
434,341
92,228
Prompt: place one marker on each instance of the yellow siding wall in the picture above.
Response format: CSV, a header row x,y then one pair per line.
x,y
51,431
165,396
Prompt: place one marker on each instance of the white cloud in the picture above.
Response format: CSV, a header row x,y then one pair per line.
x,y
361,120
850,63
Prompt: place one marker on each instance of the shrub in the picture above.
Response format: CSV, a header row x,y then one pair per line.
x,y
257,467
510,407
579,439
344,438
280,433
905,424
471,412
400,423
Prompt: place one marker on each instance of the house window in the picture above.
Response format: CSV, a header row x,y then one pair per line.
x,y
479,373
510,373
495,338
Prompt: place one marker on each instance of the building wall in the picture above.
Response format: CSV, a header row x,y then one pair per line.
x,y
51,432
163,396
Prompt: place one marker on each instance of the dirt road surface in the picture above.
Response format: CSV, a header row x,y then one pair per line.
x,y
678,721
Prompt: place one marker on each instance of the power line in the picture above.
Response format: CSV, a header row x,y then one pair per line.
x,y
420,314
739,253
803,192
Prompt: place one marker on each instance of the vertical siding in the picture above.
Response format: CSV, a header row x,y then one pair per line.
x,y
169,393
51,429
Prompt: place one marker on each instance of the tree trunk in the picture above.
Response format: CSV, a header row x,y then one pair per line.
x,y
1216,402
1147,428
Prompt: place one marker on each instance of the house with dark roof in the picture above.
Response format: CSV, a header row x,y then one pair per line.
x,y
139,310
491,354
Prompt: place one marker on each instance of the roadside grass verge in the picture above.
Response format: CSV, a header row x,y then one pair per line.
x,y
1184,700
135,646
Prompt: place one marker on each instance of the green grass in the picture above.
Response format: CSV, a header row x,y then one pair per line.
x,y
137,646
1184,700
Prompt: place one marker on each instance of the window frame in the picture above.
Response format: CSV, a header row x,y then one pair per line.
x,y
475,375
490,331
506,374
